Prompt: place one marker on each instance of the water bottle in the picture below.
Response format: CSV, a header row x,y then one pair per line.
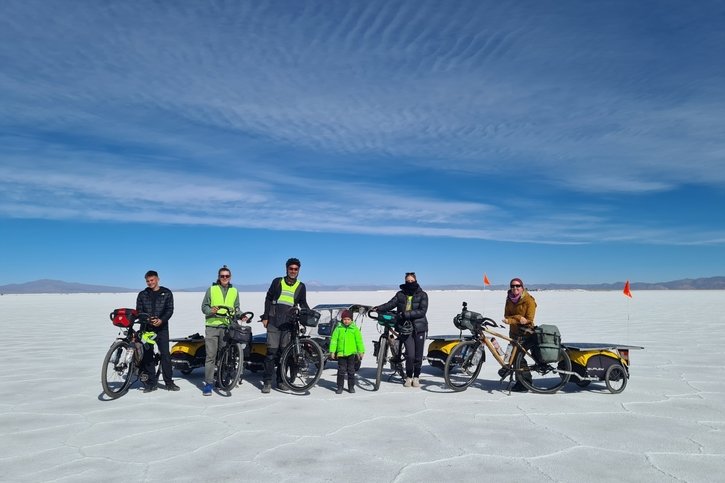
x,y
497,346
507,357
129,355
477,355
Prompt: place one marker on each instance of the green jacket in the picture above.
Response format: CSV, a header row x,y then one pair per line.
x,y
346,341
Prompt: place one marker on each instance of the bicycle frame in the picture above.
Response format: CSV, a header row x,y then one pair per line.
x,y
464,362
301,360
122,364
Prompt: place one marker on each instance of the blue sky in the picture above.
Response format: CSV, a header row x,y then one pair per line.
x,y
571,142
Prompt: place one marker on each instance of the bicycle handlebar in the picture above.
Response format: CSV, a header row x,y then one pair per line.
x,y
231,313
382,315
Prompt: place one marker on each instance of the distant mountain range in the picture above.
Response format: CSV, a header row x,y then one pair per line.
x,y
59,286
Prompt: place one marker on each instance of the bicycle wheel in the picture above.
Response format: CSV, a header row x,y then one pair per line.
x,y
463,365
616,378
301,368
382,356
118,369
398,354
229,367
543,378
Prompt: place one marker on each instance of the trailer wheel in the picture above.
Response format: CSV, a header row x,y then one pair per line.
x,y
616,378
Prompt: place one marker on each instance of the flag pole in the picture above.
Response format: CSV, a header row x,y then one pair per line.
x,y
628,292
485,282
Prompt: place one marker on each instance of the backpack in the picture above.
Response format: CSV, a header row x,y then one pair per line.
x,y
548,343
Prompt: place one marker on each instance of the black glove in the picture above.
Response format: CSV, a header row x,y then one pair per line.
x,y
401,316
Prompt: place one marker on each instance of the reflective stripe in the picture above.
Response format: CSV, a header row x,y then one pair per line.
x,y
287,297
216,299
149,337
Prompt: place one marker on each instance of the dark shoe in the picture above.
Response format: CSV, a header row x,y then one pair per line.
x,y
339,390
207,389
267,388
170,386
352,390
518,387
282,386
503,372
150,388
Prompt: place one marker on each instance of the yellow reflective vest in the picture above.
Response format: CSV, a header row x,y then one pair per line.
x,y
287,296
216,299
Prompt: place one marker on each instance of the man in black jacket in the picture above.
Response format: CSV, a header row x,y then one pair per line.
x,y
158,302
284,293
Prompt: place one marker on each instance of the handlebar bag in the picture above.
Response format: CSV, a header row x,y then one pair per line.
x,y
309,317
123,317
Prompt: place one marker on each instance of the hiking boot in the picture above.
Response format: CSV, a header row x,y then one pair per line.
x,y
150,388
408,382
266,388
518,387
351,390
282,386
339,390
416,382
170,386
208,388
503,372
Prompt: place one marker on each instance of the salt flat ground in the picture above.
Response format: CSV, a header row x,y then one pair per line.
x,y
668,424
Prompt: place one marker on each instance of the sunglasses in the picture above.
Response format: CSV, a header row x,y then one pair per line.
x,y
408,274
225,276
515,285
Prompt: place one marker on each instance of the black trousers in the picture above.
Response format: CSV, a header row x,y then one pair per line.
x,y
162,342
414,344
277,340
346,370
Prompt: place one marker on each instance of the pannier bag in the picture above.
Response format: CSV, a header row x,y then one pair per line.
x,y
123,317
468,320
309,317
325,330
548,343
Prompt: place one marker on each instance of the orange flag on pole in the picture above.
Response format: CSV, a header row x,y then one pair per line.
x,y
485,280
626,290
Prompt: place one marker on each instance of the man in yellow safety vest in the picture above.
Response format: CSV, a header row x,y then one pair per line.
x,y
284,293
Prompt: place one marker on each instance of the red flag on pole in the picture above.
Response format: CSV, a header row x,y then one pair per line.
x,y
485,280
626,290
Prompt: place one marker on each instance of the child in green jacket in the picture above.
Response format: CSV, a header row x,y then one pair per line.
x,y
346,345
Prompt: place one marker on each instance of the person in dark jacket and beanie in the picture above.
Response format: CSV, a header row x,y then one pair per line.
x,y
158,302
284,293
411,303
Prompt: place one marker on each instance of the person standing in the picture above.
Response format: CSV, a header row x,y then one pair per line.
x,y
284,293
221,293
411,303
519,314
346,345
158,302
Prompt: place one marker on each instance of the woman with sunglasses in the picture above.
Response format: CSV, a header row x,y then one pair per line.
x,y
519,313
411,303
221,293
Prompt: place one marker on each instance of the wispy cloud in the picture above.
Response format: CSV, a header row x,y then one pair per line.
x,y
579,99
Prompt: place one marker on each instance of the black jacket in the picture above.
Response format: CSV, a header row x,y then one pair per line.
x,y
158,304
420,307
270,307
